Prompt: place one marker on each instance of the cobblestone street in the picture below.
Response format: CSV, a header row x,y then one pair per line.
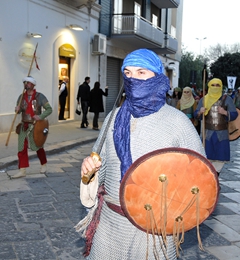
x,y
38,213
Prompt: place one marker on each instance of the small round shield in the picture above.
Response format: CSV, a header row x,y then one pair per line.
x,y
234,128
40,132
166,181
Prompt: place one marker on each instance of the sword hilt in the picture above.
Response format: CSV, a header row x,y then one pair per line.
x,y
89,176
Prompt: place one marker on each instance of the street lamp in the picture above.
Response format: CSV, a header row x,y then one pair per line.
x,y
200,40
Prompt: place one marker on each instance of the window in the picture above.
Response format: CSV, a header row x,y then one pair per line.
x,y
173,31
117,22
137,9
137,12
155,20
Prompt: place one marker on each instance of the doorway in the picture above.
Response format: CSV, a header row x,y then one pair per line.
x,y
114,80
64,70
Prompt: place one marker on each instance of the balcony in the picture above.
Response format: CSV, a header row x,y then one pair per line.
x,y
170,45
166,3
135,32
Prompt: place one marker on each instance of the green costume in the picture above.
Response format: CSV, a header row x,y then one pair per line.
x,y
39,103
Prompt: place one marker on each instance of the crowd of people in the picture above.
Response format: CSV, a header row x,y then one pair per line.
x,y
169,120
149,118
218,107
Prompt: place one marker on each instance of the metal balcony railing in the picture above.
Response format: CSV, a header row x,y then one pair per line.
x,y
136,25
171,43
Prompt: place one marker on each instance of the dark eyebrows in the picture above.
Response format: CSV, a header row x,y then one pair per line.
x,y
137,69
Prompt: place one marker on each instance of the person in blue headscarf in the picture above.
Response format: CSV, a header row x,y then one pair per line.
x,y
144,123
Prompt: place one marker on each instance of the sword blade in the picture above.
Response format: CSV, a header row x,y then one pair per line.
x,y
102,140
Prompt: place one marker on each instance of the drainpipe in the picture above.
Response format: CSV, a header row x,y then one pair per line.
x,y
89,5
166,25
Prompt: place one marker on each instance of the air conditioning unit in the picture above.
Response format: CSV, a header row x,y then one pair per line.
x,y
99,44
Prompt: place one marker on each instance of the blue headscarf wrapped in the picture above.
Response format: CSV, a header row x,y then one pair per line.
x,y
143,97
144,58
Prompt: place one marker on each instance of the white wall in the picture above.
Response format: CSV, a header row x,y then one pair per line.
x,y
49,18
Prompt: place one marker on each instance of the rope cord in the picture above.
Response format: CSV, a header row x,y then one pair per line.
x,y
198,231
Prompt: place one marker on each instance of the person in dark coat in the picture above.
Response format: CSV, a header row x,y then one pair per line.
x,y
83,97
96,102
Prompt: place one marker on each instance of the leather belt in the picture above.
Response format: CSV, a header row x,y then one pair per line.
x,y
115,208
216,127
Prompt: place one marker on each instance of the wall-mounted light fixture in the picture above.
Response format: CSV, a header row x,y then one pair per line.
x,y
171,66
34,35
75,27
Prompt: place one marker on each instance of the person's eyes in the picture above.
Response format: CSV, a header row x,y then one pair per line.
x,y
127,73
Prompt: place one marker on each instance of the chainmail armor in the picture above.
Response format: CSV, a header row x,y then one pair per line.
x,y
214,120
116,238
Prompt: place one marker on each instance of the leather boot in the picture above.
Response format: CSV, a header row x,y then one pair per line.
x,y
20,174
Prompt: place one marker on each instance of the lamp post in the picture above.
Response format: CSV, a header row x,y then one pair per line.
x,y
200,40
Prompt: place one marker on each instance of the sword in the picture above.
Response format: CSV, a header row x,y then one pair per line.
x,y
86,178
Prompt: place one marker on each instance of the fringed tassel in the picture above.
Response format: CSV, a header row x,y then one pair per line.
x,y
177,229
179,224
163,218
198,231
161,231
89,224
152,226
147,221
148,224
153,229
83,224
91,229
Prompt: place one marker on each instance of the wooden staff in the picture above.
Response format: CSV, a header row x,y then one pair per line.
x,y
20,101
203,102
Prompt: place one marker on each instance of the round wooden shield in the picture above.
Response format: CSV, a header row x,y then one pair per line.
x,y
40,132
169,177
234,128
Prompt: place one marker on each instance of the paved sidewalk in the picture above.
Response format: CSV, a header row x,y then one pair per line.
x,y
64,136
